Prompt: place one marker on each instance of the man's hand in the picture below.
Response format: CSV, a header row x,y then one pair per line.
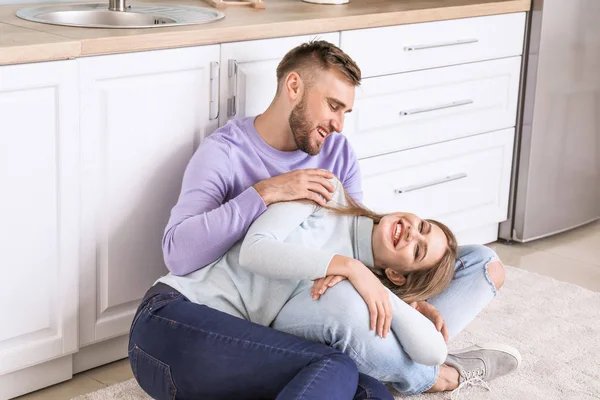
x,y
311,184
431,313
322,284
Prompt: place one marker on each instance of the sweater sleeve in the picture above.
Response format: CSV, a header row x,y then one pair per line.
x,y
417,335
352,178
202,228
265,252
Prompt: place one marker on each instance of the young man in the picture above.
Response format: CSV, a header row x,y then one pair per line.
x,y
288,153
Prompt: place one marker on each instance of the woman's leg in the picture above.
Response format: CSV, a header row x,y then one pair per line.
x,y
181,350
477,277
340,318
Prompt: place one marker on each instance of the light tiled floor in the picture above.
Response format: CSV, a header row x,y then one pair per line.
x,y
572,256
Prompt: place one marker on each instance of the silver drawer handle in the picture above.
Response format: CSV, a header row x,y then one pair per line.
x,y
213,106
434,108
442,44
432,183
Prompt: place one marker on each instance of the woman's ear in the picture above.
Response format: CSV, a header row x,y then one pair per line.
x,y
396,277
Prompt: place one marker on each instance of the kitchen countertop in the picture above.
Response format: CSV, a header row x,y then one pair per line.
x,y
24,41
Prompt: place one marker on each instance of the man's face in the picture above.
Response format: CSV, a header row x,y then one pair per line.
x,y
321,111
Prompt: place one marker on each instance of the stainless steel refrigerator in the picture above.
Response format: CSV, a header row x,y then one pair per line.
x,y
556,171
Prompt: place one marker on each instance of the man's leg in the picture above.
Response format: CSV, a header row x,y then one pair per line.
x,y
182,350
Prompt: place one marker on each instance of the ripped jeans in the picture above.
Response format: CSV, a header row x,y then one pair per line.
x,y
344,327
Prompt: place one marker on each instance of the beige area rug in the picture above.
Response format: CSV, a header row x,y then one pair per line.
x,y
555,326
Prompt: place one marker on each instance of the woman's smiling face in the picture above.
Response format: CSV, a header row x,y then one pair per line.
x,y
406,243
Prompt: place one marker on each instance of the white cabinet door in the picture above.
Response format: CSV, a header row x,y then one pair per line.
x,y
142,116
39,212
248,80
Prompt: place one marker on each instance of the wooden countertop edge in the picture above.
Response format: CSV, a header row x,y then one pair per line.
x,y
40,52
165,40
157,39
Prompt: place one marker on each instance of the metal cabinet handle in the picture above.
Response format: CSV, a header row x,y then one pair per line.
x,y
434,108
431,183
213,108
441,44
232,68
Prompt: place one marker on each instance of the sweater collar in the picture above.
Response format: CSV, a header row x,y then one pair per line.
x,y
363,241
265,148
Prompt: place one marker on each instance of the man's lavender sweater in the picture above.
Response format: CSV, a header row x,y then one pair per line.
x,y
217,203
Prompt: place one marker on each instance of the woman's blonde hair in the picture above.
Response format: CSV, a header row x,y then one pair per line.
x,y
421,284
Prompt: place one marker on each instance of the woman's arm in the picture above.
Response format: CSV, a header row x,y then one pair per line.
x,y
417,335
340,319
265,252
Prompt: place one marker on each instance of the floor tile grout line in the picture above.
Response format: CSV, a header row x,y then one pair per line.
x,y
94,379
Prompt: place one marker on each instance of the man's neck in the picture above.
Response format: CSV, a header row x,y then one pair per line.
x,y
274,128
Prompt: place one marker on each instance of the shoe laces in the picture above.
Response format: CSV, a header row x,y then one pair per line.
x,y
472,378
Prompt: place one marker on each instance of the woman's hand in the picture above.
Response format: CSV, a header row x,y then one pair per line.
x,y
432,313
322,284
375,295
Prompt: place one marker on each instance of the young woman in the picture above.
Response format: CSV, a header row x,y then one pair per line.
x,y
185,341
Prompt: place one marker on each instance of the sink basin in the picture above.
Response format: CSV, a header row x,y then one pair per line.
x,y
98,15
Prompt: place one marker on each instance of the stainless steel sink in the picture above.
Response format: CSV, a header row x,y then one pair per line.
x,y
117,15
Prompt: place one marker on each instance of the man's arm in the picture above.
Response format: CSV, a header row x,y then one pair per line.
x,y
351,178
202,228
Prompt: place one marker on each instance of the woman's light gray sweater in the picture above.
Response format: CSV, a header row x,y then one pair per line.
x,y
288,246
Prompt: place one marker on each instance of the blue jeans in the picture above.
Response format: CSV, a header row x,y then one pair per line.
x,y
347,328
182,350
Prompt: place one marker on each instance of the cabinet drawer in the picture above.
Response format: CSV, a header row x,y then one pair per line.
x,y
401,111
463,183
387,50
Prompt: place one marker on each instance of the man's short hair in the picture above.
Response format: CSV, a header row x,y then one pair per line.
x,y
308,58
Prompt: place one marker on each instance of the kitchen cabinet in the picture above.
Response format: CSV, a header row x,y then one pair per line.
x,y
248,80
142,117
93,151
39,238
434,119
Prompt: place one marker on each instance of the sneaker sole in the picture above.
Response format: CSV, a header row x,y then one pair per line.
x,y
494,346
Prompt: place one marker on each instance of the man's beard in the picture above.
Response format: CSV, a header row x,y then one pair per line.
x,y
301,129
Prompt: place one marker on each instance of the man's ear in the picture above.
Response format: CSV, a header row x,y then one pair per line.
x,y
293,86
396,277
